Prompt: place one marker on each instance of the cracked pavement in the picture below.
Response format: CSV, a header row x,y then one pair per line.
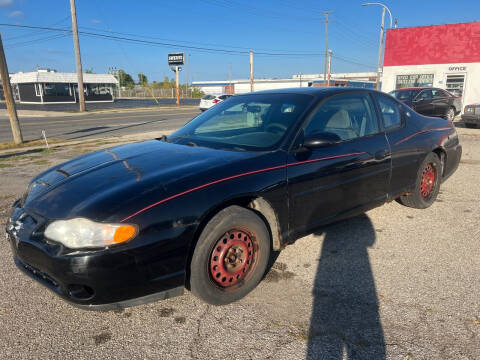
x,y
395,283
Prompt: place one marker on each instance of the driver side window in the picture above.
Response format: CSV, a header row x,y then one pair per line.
x,y
348,116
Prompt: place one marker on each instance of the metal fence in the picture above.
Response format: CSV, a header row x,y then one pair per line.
x,y
149,93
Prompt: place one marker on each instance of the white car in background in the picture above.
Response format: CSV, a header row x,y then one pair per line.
x,y
208,101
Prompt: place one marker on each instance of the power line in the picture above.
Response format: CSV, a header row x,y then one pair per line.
x,y
35,41
67,32
181,41
35,33
175,45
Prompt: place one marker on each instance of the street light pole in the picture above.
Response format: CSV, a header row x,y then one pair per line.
x,y
380,51
380,45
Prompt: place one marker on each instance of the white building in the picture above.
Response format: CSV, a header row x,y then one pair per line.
x,y
46,86
443,56
299,80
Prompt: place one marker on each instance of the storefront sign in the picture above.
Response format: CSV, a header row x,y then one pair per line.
x,y
414,80
175,59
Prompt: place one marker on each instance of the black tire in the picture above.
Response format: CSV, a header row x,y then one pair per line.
x,y
450,114
235,281
426,189
470,126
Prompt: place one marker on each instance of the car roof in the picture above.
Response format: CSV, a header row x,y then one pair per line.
x,y
315,91
416,88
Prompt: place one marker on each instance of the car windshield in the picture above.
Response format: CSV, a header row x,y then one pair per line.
x,y
208,97
256,122
404,94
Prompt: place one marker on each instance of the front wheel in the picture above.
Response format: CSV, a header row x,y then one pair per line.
x,y
427,184
230,257
450,114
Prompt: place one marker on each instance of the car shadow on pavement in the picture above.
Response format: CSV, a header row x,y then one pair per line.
x,y
345,321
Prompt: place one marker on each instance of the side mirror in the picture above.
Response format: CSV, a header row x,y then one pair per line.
x,y
322,139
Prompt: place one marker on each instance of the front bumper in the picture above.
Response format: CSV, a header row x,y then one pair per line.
x,y
102,279
471,118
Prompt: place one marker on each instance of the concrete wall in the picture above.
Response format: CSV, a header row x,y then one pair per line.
x,y
471,92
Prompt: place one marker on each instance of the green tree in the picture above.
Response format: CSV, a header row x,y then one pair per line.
x,y
197,93
89,71
142,79
166,83
125,80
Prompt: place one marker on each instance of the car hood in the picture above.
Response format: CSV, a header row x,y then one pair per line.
x,y
100,184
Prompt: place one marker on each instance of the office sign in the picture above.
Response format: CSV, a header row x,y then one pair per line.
x,y
175,59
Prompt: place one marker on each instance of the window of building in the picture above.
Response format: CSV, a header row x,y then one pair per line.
x,y
414,80
62,89
390,112
349,116
38,89
49,89
455,84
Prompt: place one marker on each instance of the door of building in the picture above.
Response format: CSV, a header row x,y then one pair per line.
x,y
455,83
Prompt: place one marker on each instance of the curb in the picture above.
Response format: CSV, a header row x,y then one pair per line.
x,y
50,113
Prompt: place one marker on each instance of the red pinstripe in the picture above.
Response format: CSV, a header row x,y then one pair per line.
x,y
422,132
235,177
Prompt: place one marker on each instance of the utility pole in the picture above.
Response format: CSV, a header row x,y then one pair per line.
x,y
178,85
7,91
81,94
380,50
329,66
186,74
251,70
326,13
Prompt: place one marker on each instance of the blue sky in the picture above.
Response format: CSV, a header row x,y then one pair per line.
x,y
262,25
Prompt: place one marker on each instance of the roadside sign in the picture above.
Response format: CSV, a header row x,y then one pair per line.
x,y
176,59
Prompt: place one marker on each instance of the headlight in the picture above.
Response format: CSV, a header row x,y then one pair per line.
x,y
83,233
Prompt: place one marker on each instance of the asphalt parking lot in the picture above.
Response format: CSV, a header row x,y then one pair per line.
x,y
395,283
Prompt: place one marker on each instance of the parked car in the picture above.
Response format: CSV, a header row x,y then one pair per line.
x,y
205,207
208,101
430,101
471,115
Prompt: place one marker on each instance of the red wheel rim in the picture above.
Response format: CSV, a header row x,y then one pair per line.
x,y
428,181
232,258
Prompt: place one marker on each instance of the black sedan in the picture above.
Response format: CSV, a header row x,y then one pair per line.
x,y
205,207
430,101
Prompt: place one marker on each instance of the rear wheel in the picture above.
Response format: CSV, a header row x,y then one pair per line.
x,y
427,184
450,114
231,256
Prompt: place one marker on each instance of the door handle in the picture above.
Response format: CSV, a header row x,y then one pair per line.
x,y
381,154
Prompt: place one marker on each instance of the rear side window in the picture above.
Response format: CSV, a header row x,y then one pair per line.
x,y
425,95
437,93
349,116
390,112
